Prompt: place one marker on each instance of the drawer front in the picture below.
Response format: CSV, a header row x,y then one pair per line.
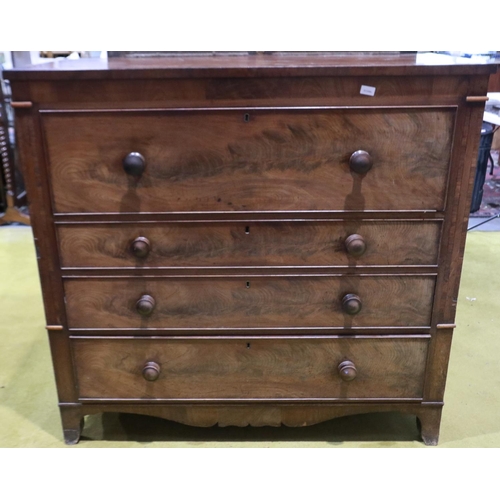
x,y
217,369
248,302
243,244
249,160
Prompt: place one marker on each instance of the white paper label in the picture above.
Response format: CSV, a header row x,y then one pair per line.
x,y
366,90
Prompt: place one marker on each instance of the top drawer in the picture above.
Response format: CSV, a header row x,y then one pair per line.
x,y
248,160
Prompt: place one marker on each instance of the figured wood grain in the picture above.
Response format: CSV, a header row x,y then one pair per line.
x,y
79,162
213,302
294,243
236,369
208,92
278,160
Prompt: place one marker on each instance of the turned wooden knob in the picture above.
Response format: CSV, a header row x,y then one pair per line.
x,y
134,164
355,245
140,247
351,304
347,371
151,371
145,305
360,162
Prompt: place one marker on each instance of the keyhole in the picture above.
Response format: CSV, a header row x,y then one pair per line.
x,y
246,117
247,230
248,284
248,346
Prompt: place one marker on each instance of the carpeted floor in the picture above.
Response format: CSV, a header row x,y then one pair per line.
x,y
28,403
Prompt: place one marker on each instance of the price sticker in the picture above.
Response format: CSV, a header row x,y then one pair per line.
x,y
367,90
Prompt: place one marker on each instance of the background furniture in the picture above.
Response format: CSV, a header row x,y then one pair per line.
x,y
484,157
12,193
250,239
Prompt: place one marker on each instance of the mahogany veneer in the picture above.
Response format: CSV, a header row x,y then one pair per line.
x,y
220,303
250,240
248,159
249,244
259,369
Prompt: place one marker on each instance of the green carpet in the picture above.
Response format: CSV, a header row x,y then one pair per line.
x,y
28,401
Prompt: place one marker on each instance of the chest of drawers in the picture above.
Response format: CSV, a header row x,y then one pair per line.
x,y
250,240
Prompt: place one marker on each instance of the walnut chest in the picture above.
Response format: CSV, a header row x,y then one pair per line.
x,y
250,240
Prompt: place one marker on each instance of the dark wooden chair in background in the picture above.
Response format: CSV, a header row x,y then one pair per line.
x,y
12,193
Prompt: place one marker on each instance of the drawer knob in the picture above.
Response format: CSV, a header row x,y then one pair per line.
x,y
360,162
145,305
134,164
347,371
351,304
140,247
355,245
151,371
